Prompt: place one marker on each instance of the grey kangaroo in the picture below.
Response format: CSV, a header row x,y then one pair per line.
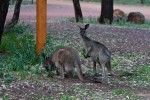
x,y
97,52
65,59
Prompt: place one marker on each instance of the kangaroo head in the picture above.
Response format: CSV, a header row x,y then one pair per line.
x,y
83,30
47,62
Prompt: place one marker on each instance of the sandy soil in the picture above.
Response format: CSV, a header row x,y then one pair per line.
x,y
64,8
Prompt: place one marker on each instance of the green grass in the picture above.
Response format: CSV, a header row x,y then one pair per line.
x,y
20,57
122,23
20,50
126,94
125,2
86,92
5,98
146,25
21,63
67,97
131,2
127,63
20,54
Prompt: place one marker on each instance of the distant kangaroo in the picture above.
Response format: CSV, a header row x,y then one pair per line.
x,y
65,59
98,53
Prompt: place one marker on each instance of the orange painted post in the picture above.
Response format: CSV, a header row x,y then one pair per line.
x,y
41,16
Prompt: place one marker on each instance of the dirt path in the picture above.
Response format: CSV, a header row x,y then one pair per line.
x,y
64,8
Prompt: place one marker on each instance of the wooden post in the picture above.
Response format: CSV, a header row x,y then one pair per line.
x,y
41,10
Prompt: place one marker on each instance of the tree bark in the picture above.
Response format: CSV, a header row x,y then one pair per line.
x,y
106,11
78,11
142,1
4,4
15,17
32,1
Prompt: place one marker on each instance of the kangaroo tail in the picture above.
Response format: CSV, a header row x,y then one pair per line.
x,y
79,71
80,75
126,74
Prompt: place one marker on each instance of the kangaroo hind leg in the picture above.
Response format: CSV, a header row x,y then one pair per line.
x,y
108,66
94,68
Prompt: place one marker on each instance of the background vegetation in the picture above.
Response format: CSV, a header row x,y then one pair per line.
x,y
127,2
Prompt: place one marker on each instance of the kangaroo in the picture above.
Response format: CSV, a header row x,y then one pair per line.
x,y
98,52
65,59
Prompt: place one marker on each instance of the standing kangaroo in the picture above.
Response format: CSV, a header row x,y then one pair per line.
x,y
65,59
98,53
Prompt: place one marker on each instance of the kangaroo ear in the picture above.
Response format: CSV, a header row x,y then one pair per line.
x,y
86,26
79,27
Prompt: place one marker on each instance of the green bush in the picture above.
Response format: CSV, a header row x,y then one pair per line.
x,y
20,53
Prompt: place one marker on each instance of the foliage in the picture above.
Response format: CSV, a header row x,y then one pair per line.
x,y
19,46
126,2
20,52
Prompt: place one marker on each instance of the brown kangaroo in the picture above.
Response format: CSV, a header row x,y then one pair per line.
x,y
65,59
97,52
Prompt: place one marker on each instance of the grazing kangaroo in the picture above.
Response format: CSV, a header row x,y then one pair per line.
x,y
98,53
65,59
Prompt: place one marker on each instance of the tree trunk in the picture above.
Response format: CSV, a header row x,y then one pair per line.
x,y
77,9
15,17
142,1
106,11
4,4
32,1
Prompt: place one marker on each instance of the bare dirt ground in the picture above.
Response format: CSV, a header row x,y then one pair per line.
x,y
120,41
63,8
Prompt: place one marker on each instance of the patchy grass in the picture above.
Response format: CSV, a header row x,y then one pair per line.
x,y
132,2
122,23
87,92
124,94
125,2
126,62
129,63
20,53
21,70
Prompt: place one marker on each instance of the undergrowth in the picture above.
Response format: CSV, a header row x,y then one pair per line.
x,y
19,54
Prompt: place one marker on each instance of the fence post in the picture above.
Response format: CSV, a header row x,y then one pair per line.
x,y
41,16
